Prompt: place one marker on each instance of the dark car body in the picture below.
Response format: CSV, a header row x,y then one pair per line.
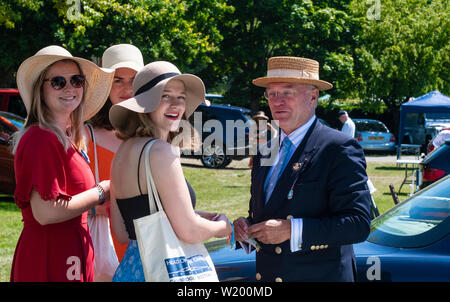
x,y
435,165
10,101
410,242
230,125
9,123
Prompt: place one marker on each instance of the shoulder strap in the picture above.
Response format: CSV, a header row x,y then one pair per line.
x,y
91,130
97,178
153,196
139,164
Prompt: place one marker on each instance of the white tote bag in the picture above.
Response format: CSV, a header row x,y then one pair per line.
x,y
164,257
105,261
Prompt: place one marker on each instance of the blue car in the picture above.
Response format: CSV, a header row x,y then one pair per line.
x,y
373,135
410,242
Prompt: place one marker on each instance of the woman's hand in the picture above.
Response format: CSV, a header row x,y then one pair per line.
x,y
228,228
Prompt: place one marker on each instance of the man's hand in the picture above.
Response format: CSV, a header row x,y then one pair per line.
x,y
272,231
241,229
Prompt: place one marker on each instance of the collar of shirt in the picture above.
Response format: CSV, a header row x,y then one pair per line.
x,y
298,134
295,137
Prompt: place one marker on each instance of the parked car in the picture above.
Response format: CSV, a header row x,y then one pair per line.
x,y
231,141
420,128
10,101
435,165
373,135
439,139
410,242
9,123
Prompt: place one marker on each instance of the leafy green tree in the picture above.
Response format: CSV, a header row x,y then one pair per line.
x,y
257,30
402,50
184,32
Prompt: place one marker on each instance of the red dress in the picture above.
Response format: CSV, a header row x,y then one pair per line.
x,y
55,252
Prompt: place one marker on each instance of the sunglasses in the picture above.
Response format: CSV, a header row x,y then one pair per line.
x,y
59,82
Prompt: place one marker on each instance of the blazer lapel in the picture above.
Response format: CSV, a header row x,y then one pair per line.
x,y
305,150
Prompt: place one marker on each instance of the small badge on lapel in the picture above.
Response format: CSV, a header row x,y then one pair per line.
x,y
290,194
296,167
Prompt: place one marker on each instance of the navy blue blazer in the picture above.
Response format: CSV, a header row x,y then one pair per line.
x,y
327,174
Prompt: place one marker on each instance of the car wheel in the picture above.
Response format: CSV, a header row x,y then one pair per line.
x,y
214,157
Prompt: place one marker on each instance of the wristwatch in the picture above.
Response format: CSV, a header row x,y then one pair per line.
x,y
101,194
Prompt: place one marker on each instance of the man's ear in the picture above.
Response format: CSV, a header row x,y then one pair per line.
x,y
315,95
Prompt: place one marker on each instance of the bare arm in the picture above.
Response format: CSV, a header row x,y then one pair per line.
x,y
55,211
173,191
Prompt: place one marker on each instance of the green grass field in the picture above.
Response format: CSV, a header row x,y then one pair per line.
x,y
225,191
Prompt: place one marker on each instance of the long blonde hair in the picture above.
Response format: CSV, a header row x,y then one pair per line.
x,y
41,116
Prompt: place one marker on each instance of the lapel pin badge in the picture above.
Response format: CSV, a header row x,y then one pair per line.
x,y
296,167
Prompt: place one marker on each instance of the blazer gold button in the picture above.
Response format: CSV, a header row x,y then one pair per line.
x,y
278,250
322,247
313,247
289,217
326,246
278,279
258,276
317,247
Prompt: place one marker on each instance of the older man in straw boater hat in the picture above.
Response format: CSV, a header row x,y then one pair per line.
x,y
312,203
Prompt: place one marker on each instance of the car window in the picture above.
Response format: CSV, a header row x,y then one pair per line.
x,y
418,221
370,126
16,106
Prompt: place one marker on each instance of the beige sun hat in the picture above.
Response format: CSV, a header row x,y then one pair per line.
x,y
123,55
292,70
148,86
99,79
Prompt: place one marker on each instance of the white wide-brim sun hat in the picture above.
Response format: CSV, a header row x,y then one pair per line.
x,y
99,80
123,56
148,86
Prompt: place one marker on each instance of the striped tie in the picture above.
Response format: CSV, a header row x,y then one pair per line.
x,y
278,169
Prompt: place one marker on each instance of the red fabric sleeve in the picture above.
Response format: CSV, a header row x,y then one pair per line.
x,y
39,165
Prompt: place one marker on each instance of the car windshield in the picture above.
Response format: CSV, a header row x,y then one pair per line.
x,y
418,221
370,126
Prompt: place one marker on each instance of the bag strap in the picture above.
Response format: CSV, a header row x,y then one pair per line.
x,y
139,165
97,178
91,130
153,196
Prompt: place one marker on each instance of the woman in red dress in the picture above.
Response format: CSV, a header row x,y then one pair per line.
x,y
55,186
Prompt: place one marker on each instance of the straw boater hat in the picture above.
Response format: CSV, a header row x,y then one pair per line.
x,y
99,79
294,70
148,86
123,55
260,115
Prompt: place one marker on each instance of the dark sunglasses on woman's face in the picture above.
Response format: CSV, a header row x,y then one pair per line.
x,y
59,82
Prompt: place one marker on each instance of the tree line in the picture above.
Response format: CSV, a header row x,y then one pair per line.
x,y
379,51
